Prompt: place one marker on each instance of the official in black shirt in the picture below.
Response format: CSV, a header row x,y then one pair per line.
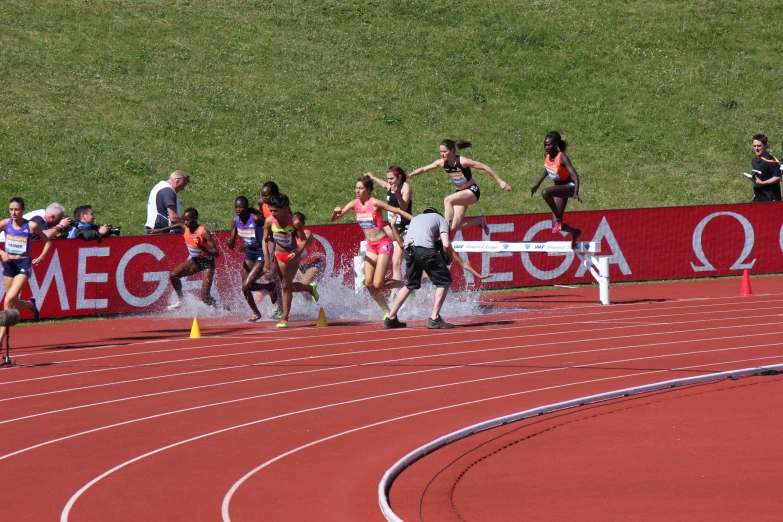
x,y
766,172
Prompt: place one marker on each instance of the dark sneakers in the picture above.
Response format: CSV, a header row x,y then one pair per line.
x,y
393,323
438,323
36,313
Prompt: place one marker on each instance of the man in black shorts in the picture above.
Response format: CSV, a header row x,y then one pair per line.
x,y
427,249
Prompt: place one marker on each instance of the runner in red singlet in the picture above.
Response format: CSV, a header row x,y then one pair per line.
x,y
201,258
560,170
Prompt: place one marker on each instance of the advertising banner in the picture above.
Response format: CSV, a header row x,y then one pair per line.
x,y
130,274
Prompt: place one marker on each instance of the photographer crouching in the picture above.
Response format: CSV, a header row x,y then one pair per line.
x,y
84,226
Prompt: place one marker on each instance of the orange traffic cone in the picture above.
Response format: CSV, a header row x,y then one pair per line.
x,y
745,291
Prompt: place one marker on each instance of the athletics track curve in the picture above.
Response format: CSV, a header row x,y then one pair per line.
x,y
127,419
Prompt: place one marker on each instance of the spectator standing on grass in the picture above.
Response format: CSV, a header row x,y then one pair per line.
x,y
163,208
427,249
766,172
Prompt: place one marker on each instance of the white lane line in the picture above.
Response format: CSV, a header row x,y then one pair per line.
x,y
359,341
412,390
69,505
428,356
448,367
645,310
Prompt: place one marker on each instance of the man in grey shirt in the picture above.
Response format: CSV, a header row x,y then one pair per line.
x,y
427,249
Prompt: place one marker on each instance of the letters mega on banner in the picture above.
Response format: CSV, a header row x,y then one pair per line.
x,y
130,273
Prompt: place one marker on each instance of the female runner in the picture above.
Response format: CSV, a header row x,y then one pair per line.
x,y
468,193
201,258
283,229
379,244
249,225
312,265
398,195
268,190
17,265
559,168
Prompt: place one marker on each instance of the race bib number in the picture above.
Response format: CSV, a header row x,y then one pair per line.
x,y
15,244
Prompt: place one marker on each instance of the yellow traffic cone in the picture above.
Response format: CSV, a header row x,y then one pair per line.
x,y
321,318
195,331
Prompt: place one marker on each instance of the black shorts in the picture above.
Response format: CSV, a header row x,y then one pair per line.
x,y
203,263
473,188
421,259
318,263
18,265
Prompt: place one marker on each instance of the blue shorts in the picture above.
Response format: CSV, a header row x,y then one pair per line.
x,y
22,265
254,255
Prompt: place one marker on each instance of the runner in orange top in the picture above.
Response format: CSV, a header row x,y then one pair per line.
x,y
284,230
312,265
560,170
201,258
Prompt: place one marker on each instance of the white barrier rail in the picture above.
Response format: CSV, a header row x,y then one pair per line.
x,y
384,487
598,265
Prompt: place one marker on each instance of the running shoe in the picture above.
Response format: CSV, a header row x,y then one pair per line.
x,y
575,238
282,324
483,224
385,316
254,319
36,312
393,323
315,292
438,323
175,306
558,226
277,314
260,296
274,295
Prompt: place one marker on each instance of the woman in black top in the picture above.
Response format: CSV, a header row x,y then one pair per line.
x,y
398,195
459,170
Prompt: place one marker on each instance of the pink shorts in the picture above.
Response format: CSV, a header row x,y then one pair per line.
x,y
382,247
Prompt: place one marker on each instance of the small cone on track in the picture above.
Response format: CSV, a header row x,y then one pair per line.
x,y
195,331
321,318
745,291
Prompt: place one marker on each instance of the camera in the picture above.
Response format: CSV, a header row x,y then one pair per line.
x,y
114,231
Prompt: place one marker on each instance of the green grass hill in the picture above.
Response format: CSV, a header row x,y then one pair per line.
x,y
658,99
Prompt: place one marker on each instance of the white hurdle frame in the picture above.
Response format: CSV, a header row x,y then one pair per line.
x,y
585,251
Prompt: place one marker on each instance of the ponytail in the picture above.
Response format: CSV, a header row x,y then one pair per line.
x,y
456,144
562,144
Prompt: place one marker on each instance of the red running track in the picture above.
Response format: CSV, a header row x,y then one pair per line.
x,y
128,419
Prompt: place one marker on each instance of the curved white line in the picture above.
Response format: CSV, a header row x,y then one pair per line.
x,y
471,352
229,495
72,500
417,454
